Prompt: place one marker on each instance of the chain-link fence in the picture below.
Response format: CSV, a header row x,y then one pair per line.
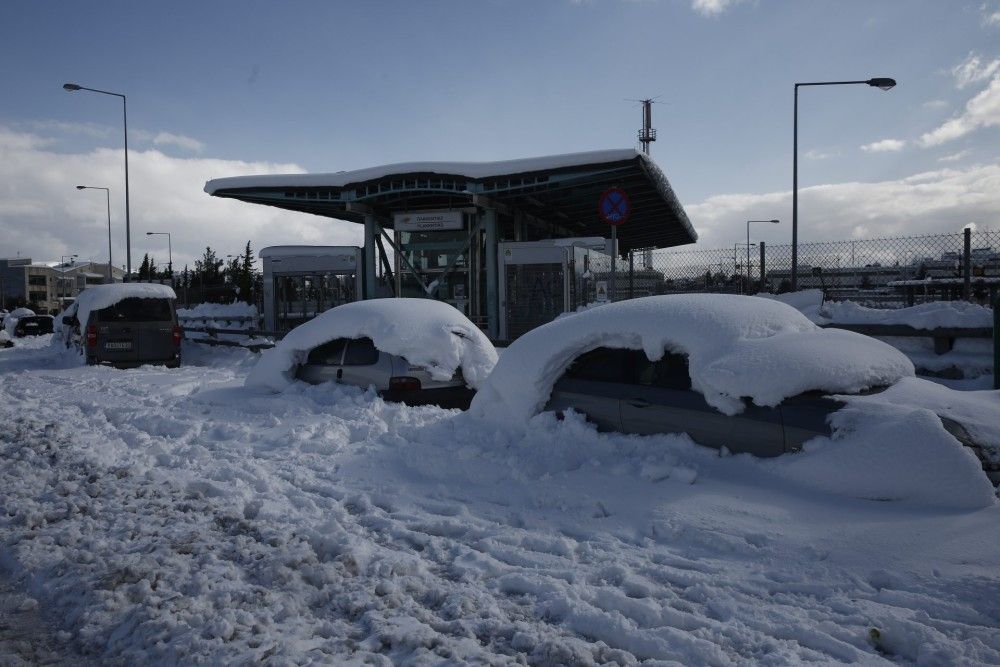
x,y
884,273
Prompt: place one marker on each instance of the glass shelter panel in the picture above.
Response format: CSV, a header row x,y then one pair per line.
x,y
536,294
299,298
437,264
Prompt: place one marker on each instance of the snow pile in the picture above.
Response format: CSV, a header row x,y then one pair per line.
x,y
882,452
426,333
933,315
807,301
977,411
736,347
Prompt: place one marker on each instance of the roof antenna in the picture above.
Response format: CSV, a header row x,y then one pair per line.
x,y
647,134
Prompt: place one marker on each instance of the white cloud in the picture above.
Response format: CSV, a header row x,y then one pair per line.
x,y
974,70
933,202
43,216
955,157
168,138
983,110
713,7
884,146
991,15
936,105
93,130
820,155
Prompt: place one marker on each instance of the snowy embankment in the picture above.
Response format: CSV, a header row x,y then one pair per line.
x,y
175,516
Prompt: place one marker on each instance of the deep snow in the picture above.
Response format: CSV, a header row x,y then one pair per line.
x,y
175,516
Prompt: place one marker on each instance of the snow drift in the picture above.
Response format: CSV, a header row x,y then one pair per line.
x,y
426,333
736,346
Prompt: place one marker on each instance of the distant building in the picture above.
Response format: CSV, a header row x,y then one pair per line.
x,y
46,286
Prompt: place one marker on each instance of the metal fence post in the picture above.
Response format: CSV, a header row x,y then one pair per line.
x,y
762,270
967,265
631,274
996,343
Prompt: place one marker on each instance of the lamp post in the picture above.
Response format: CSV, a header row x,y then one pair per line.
x,y
736,260
107,193
879,82
71,87
62,276
773,222
170,253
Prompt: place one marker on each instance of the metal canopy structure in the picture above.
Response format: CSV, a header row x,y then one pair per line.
x,y
559,192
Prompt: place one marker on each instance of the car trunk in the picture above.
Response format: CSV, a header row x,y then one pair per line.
x,y
136,331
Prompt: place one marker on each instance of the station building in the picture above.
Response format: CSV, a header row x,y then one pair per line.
x,y
511,244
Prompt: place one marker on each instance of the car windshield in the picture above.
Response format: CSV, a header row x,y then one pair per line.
x,y
135,309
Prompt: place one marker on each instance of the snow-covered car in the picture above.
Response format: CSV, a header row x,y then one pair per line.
x,y
124,325
417,351
750,374
32,325
11,319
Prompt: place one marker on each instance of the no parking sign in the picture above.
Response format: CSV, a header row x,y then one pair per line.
x,y
614,207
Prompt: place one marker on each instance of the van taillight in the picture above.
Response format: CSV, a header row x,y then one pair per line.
x,y
178,334
404,383
92,336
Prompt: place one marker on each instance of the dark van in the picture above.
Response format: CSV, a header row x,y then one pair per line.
x,y
134,331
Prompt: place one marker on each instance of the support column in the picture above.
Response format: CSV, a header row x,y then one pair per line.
x,y
489,221
369,267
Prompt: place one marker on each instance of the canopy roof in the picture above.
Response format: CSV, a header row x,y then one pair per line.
x,y
561,190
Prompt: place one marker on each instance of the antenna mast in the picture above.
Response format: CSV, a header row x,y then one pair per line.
x,y
647,134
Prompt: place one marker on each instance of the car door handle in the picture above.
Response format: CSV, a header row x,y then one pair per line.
x,y
638,402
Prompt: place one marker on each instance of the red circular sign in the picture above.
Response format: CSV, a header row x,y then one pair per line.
x,y
614,207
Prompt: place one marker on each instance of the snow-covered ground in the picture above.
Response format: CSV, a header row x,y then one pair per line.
x,y
176,516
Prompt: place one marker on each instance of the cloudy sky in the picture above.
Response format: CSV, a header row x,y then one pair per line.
x,y
230,88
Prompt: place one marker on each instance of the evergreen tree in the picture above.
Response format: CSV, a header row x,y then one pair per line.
x,y
144,268
208,269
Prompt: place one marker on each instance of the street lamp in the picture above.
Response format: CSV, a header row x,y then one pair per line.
x,y
170,253
72,87
773,222
883,83
107,193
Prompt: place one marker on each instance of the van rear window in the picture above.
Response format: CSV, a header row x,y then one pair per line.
x,y
136,309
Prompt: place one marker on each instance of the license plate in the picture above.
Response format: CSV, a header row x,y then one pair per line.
x,y
123,345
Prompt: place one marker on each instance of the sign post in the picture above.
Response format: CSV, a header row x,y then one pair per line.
x,y
614,208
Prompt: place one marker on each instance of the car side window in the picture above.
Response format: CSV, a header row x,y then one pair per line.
x,y
360,352
328,354
670,372
607,364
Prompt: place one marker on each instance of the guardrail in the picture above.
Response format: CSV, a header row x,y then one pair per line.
x,y
251,335
944,337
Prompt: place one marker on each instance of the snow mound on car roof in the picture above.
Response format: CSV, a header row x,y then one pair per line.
x,y
104,296
426,333
737,346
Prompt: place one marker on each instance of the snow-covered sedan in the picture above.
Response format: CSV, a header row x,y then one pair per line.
x,y
417,351
749,374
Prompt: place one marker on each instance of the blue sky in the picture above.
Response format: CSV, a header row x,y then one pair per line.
x,y
324,86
